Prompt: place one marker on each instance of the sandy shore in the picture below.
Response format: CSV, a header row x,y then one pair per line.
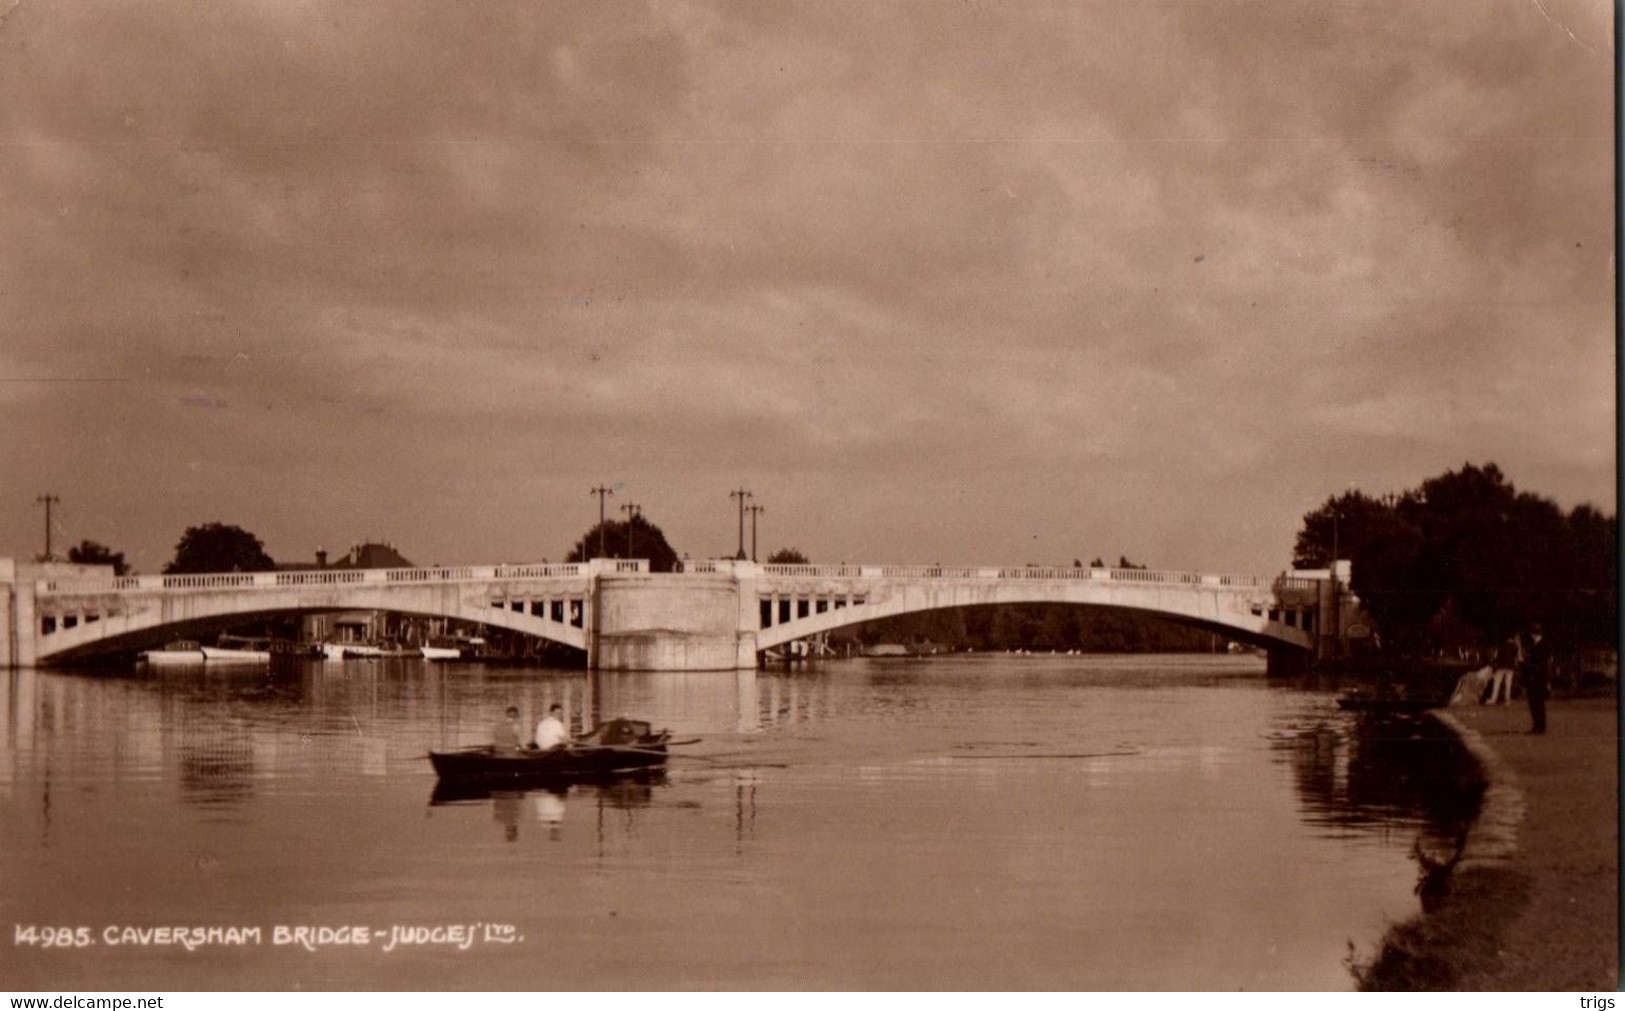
x,y
1534,902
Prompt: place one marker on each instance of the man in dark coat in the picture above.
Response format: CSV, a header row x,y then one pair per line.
x,y
1537,672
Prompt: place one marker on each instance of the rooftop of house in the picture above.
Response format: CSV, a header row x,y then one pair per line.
x,y
370,555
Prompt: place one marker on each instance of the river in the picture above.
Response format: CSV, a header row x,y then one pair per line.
x,y
1141,822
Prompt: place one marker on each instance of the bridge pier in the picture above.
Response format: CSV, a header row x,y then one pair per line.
x,y
1285,662
667,622
18,618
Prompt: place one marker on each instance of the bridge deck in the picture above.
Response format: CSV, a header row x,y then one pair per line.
x,y
565,601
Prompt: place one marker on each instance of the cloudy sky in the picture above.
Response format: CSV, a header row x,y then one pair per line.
x,y
939,280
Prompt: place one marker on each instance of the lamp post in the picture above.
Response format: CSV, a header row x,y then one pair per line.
x,y
601,491
755,511
1337,610
48,499
633,511
741,494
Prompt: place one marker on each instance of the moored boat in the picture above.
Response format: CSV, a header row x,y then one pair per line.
x,y
440,652
180,653
1388,705
238,649
361,650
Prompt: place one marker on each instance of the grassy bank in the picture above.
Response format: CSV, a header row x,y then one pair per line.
x,y
1535,906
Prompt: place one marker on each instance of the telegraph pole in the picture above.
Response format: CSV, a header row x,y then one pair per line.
x,y
741,495
755,511
601,491
48,499
633,511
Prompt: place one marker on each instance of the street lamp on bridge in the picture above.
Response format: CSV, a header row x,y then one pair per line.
x,y
633,511
755,511
741,494
48,499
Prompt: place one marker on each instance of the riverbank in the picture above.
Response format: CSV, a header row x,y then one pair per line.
x,y
1534,901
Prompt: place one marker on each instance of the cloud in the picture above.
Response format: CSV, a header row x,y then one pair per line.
x,y
844,248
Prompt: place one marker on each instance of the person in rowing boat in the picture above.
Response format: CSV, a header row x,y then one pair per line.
x,y
505,732
550,732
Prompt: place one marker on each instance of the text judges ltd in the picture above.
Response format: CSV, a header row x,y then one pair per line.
x,y
460,936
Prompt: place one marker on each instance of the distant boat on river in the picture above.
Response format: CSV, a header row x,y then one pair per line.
x,y
180,653
238,649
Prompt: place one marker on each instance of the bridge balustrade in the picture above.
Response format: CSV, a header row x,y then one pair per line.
x,y
321,577
836,571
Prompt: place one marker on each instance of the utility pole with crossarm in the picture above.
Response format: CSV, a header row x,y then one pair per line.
x,y
601,491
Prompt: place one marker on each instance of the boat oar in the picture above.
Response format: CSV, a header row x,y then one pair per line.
x,y
663,754
1085,754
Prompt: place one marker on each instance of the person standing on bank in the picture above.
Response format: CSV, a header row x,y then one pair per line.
x,y
1507,658
550,732
1537,671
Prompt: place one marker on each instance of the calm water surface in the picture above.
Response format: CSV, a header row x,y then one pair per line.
x,y
972,822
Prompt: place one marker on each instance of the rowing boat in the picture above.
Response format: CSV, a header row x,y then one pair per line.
x,y
613,747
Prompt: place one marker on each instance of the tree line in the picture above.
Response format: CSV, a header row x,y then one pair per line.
x,y
1467,549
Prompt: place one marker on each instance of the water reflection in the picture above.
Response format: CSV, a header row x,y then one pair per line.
x,y
1370,773
1044,823
216,763
547,803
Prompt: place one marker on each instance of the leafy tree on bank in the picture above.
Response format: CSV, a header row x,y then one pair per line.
x,y
218,547
647,541
91,553
1468,542
787,556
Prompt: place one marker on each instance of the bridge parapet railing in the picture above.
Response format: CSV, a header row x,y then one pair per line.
x,y
841,571
1009,572
317,577
710,565
1296,584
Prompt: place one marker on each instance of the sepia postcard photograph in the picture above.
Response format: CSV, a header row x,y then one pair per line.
x,y
808,495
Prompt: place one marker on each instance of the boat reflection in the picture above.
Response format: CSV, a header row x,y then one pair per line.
x,y
546,801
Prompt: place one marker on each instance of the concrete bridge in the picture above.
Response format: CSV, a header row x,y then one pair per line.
x,y
714,615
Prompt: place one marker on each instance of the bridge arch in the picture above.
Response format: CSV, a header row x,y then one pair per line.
x,y
796,605
79,622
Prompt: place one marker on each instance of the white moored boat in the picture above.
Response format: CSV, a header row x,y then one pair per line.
x,y
237,649
180,653
441,653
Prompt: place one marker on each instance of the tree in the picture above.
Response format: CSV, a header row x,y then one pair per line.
x,y
646,541
91,553
1350,520
1397,581
1467,549
217,547
787,556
